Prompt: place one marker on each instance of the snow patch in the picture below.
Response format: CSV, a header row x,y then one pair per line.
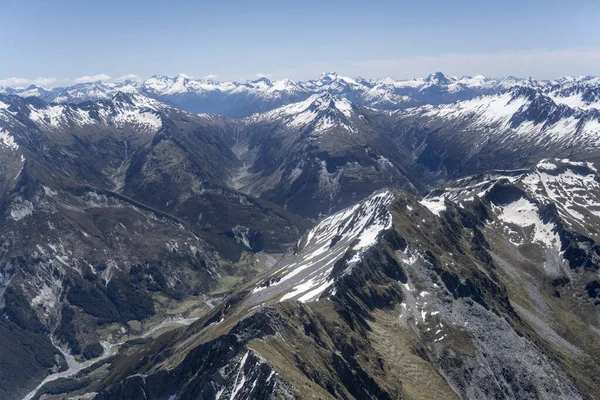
x,y
525,214
21,209
435,204
7,140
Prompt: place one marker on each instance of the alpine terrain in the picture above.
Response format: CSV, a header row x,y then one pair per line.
x,y
180,238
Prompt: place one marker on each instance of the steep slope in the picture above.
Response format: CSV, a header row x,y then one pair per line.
x,y
308,274
157,155
513,129
318,156
113,212
581,92
420,304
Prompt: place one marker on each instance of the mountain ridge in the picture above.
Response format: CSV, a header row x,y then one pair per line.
x,y
240,99
472,322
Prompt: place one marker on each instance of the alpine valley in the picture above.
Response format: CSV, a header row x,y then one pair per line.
x,y
180,238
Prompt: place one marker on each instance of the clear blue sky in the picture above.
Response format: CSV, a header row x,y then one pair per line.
x,y
240,39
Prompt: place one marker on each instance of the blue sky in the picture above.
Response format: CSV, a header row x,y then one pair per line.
x,y
56,42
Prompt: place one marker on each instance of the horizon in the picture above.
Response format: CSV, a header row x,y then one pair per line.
x,y
16,83
62,42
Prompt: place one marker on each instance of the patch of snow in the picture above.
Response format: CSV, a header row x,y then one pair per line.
x,y
21,209
239,381
547,165
524,213
7,140
435,204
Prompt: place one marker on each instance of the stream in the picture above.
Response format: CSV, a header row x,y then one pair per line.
x,y
110,349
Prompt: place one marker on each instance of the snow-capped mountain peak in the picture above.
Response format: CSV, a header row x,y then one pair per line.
x,y
350,232
327,77
327,101
438,78
261,83
321,112
241,99
157,83
284,84
477,80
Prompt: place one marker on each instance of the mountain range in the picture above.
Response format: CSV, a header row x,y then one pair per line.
x,y
335,238
241,99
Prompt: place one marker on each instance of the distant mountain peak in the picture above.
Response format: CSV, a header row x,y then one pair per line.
x,y
284,84
322,112
438,78
387,81
328,101
122,97
524,91
329,75
262,79
327,78
244,98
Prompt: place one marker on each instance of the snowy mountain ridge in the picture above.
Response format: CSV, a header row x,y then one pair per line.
x,y
120,111
240,99
324,111
573,187
346,234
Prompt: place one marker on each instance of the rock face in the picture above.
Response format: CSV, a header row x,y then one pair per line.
x,y
480,299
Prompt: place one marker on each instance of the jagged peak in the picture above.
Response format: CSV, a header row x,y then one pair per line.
x,y
438,78
328,75
159,77
322,112
284,84
123,97
327,78
322,102
262,79
347,234
524,91
135,100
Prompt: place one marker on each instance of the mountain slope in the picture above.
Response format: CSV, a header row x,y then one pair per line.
x,y
125,217
115,214
421,304
318,156
513,129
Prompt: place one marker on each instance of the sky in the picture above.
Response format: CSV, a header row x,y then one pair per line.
x,y
63,42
